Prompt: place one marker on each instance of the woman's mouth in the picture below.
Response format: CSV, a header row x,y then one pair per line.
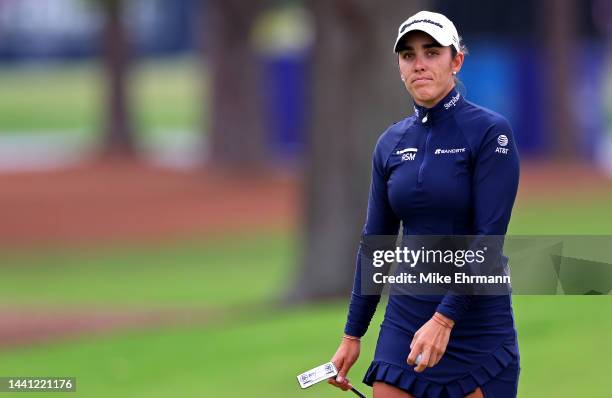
x,y
420,80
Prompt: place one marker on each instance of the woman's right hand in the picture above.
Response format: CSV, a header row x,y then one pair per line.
x,y
343,359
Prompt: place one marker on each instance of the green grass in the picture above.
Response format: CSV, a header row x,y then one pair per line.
x,y
262,353
170,95
565,345
183,274
564,340
586,216
69,98
50,98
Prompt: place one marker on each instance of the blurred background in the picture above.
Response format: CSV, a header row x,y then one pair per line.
x,y
175,218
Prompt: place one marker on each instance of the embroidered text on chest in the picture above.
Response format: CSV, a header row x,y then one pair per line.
x,y
440,151
407,153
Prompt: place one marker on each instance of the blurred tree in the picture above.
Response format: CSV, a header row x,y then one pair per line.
x,y
237,134
119,138
357,94
560,21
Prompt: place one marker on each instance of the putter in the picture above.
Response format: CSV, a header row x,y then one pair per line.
x,y
320,373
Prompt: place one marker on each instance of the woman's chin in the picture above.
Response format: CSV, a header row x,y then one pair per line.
x,y
423,98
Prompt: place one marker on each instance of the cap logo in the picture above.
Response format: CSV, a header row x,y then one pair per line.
x,y
406,25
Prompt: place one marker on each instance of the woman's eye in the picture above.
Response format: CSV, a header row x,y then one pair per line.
x,y
432,53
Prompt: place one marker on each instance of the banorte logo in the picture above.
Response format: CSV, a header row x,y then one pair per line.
x,y
440,151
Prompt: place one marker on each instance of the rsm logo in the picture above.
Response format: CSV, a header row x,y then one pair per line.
x,y
409,156
407,153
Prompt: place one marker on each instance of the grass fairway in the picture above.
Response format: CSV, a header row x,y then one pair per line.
x,y
565,345
588,216
213,274
565,340
261,354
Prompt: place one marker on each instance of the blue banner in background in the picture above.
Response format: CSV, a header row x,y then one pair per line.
x,y
510,78
286,102
507,79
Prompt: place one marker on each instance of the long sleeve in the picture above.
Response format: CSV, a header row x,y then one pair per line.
x,y
380,220
494,187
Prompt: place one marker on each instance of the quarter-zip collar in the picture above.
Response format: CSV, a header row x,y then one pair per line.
x,y
445,107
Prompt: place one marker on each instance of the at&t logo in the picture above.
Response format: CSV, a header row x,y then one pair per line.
x,y
502,141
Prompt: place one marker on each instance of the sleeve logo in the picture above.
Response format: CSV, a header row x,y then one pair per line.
x,y
502,141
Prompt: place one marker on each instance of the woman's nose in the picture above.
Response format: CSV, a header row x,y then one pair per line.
x,y
419,65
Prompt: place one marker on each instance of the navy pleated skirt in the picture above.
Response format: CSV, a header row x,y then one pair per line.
x,y
482,350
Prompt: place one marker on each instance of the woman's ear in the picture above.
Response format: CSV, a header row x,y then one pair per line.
x,y
457,62
402,77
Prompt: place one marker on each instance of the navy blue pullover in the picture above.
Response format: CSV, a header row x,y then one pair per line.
x,y
449,170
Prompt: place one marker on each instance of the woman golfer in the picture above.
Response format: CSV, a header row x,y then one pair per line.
x,y
460,178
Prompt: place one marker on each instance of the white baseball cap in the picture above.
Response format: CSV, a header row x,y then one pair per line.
x,y
436,25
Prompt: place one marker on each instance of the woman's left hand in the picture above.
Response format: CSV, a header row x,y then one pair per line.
x,y
430,341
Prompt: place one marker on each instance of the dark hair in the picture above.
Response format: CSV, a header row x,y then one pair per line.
x,y
462,47
464,50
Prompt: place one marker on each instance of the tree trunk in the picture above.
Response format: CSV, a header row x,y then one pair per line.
x,y
118,129
559,18
357,94
237,138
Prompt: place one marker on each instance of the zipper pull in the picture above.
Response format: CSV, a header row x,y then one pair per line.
x,y
424,120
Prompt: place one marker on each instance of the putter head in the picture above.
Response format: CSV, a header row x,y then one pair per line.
x,y
318,374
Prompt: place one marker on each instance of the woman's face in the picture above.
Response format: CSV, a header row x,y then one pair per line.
x,y
427,69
